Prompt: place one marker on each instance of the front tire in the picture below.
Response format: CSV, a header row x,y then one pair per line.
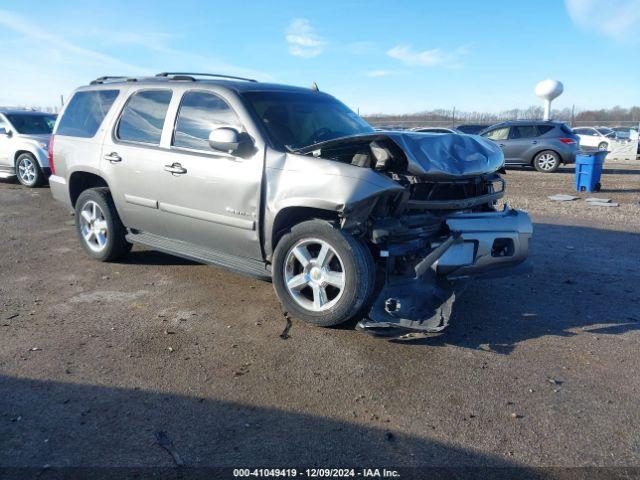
x,y
322,275
546,161
100,230
602,146
28,171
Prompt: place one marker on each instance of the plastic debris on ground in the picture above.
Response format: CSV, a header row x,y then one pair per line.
x,y
562,198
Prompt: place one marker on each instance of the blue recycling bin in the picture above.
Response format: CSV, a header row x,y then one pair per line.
x,y
589,170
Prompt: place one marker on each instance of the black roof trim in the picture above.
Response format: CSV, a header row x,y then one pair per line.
x,y
115,78
191,76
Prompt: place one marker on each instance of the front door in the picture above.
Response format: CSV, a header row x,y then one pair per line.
x,y
5,144
210,198
500,136
522,138
132,160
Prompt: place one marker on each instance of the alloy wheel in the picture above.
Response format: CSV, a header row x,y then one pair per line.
x,y
93,226
547,161
27,171
314,274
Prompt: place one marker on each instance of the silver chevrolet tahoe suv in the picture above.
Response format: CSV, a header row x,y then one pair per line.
x,y
289,185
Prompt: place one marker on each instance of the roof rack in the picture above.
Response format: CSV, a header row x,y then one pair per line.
x,y
190,76
116,78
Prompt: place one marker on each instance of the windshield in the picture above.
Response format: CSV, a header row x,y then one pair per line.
x,y
299,119
606,131
32,124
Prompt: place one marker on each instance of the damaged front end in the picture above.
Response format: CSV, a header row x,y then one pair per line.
x,y
442,230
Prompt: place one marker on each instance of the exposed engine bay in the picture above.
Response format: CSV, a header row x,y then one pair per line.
x,y
440,231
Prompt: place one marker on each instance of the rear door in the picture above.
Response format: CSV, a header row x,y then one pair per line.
x,y
521,143
132,159
214,201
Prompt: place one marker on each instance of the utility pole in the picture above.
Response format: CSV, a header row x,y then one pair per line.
x,y
573,110
453,118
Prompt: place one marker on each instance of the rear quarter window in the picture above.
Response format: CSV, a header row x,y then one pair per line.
x,y
523,131
85,113
542,129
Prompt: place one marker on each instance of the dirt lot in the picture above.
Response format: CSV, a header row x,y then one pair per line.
x,y
95,358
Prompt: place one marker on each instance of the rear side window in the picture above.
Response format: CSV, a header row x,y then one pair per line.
x,y
142,119
85,113
565,129
199,114
523,131
545,129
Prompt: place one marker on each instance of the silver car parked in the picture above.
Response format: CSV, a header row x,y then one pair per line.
x,y
24,142
289,185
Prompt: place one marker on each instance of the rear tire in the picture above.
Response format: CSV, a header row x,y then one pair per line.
x,y
321,274
100,230
28,171
546,161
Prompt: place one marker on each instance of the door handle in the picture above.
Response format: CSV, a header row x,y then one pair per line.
x,y
534,142
501,145
175,169
113,157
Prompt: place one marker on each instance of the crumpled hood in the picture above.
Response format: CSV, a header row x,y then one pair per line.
x,y
430,154
448,154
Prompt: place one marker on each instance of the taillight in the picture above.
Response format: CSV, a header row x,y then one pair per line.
x,y
568,141
50,155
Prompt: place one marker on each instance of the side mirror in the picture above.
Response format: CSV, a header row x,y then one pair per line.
x,y
4,131
225,139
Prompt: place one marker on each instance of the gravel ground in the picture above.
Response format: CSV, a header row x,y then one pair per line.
x,y
95,359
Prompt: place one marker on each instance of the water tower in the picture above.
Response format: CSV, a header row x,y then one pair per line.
x,y
548,90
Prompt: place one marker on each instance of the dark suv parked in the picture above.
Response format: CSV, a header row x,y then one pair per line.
x,y
541,144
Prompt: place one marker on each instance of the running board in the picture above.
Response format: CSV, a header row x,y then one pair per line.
x,y
247,266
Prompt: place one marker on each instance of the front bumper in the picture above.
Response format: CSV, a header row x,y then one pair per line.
x,y
487,241
484,244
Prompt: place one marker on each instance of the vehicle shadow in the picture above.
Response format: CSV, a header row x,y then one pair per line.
x,y
64,424
584,280
152,257
13,181
605,170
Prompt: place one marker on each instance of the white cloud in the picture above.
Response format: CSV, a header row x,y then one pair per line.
x,y
303,40
617,19
428,58
414,58
39,64
22,26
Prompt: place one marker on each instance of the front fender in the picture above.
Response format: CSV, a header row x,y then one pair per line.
x,y
40,154
303,181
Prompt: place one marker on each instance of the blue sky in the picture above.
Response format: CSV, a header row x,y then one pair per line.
x,y
378,56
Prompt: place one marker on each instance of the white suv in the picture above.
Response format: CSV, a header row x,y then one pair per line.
x,y
24,142
598,137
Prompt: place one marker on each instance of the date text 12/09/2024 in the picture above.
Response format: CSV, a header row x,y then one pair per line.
x,y
316,473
